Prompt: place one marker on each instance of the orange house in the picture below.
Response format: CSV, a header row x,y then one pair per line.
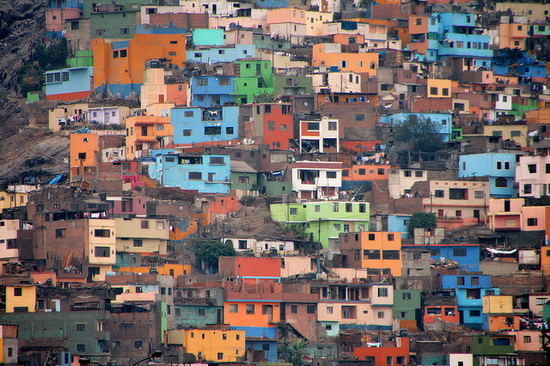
x,y
83,149
251,269
348,39
366,172
373,250
390,353
330,54
437,313
123,62
253,305
499,322
145,133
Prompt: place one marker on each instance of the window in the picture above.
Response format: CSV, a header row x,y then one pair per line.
x,y
390,254
532,168
313,126
475,312
532,221
458,194
271,125
123,53
188,114
335,207
541,301
138,243
527,189
362,208
311,309
201,312
478,194
213,130
233,308
293,211
371,254
195,175
418,173
144,224
433,90
60,233
459,252
382,292
80,348
458,213
250,309
359,117
474,281
332,126
526,339
439,193
406,296
80,327
124,30
104,252
445,92
138,344
337,227
217,160
400,360
501,182
187,132
17,291
331,175
381,315
330,310
294,309
202,82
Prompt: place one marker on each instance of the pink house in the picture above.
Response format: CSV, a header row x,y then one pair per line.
x,y
526,340
533,176
55,18
533,218
128,206
512,214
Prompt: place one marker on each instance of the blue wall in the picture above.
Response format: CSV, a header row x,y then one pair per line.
x,y
269,348
208,37
78,80
174,171
202,122
443,120
221,54
399,223
469,262
494,165
212,88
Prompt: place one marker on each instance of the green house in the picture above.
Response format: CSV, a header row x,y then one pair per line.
x,y
407,304
497,346
252,77
271,186
292,85
322,222
243,176
522,105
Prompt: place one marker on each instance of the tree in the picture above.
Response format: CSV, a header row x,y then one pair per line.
x,y
423,134
423,220
265,98
297,352
210,251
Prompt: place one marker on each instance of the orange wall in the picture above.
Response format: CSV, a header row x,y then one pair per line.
x,y
371,172
498,323
433,318
87,143
381,242
242,319
357,62
130,69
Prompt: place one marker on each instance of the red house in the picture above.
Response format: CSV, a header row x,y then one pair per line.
x,y
385,353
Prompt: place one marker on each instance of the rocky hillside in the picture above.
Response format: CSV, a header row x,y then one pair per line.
x,y
25,150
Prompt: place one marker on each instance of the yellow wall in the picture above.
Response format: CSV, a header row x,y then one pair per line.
x,y
178,269
366,62
13,199
507,132
27,298
498,304
210,343
440,86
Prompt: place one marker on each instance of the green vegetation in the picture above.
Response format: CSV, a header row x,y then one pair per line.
x,y
44,58
421,133
210,251
423,220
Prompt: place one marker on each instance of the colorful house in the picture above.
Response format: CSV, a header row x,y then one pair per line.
x,y
272,124
319,136
332,55
316,179
147,133
252,77
532,176
68,84
373,250
20,298
394,352
407,308
203,173
194,125
119,65
215,345
323,221
499,167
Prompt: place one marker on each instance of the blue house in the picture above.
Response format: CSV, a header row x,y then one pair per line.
x,y
399,223
466,255
208,37
442,120
195,124
202,173
209,91
68,84
212,55
272,3
470,290
457,35
499,167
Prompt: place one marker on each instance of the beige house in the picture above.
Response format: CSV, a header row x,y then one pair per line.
x,y
141,235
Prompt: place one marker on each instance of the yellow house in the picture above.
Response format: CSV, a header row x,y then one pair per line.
x,y
141,235
167,269
101,247
8,344
498,304
20,299
517,133
439,88
212,344
16,195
